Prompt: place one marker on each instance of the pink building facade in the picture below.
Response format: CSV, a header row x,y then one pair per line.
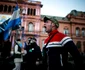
x,y
72,25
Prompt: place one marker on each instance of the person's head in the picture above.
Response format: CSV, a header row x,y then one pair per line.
x,y
34,40
18,40
29,40
50,24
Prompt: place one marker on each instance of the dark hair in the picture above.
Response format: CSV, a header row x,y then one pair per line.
x,y
18,39
34,39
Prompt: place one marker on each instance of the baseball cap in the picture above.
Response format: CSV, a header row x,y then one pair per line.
x,y
53,19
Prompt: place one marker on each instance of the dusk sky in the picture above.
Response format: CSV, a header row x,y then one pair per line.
x,y
61,7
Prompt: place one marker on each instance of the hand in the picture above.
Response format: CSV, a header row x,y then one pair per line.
x,y
37,63
24,52
12,52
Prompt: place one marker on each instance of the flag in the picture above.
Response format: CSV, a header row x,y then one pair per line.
x,y
15,19
3,25
2,28
7,34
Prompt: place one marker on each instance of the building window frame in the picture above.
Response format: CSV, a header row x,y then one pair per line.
x,y
78,44
66,30
43,30
77,31
83,32
30,27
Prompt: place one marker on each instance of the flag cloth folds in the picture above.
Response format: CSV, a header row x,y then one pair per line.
x,y
2,28
14,21
7,34
3,25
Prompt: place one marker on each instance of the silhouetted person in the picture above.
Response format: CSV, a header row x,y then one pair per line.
x,y
5,54
33,56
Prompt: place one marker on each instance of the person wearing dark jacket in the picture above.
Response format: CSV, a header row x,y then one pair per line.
x,y
33,56
55,53
5,54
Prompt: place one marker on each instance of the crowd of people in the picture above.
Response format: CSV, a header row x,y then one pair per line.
x,y
19,57
54,54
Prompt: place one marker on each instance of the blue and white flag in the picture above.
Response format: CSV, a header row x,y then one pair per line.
x,y
15,19
7,34
3,25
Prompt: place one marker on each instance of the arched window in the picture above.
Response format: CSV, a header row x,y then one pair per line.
x,y
43,30
30,27
24,11
9,9
77,31
78,44
31,12
66,31
83,32
1,8
34,12
28,11
5,8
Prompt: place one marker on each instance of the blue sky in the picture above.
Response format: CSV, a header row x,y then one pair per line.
x,y
61,7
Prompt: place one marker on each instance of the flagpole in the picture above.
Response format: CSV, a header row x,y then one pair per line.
x,y
20,30
12,40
